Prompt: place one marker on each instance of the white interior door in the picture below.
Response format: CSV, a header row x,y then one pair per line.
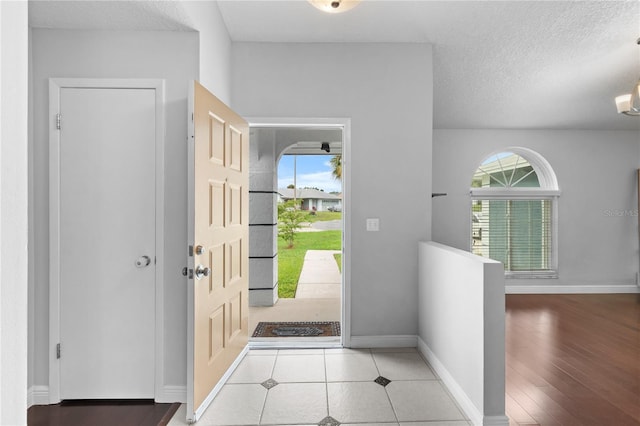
x,y
107,242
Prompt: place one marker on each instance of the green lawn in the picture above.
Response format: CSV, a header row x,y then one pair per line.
x,y
290,259
322,216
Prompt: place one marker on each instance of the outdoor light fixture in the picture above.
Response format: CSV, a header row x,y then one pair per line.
x,y
334,6
325,147
629,104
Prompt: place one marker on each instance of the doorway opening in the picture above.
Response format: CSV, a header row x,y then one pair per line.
x,y
298,286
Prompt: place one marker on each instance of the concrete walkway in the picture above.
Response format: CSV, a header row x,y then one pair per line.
x,y
320,277
317,297
326,225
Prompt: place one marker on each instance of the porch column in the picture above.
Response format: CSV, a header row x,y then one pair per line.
x,y
263,218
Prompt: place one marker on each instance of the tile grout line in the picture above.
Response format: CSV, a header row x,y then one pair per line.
x,y
395,414
444,387
280,356
266,395
326,379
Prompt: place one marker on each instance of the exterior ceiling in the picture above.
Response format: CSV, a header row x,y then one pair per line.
x,y
308,140
497,64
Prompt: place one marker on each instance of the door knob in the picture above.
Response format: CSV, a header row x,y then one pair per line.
x,y
143,261
199,250
202,271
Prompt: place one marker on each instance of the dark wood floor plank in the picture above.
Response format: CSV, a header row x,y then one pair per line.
x,y
101,413
568,392
518,415
573,359
543,408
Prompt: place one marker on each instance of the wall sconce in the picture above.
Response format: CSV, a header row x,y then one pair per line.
x,y
629,104
334,6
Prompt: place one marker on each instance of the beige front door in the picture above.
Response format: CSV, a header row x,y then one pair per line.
x,y
219,245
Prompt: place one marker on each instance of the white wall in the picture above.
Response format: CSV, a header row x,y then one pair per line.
x,y
462,328
172,56
596,171
13,211
386,90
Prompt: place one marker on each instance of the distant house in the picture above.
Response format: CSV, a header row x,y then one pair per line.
x,y
311,198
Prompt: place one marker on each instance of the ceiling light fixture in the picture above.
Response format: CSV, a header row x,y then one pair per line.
x,y
629,104
334,6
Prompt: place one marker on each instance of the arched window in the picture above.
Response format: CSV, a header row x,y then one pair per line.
x,y
514,195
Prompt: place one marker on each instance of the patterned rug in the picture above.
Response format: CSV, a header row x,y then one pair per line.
x,y
297,329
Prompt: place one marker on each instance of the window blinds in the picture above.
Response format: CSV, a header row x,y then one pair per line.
x,y
515,232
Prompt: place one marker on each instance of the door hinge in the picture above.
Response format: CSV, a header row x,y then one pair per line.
x,y
58,120
187,272
58,351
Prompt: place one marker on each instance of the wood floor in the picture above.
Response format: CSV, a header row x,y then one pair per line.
x,y
102,413
573,359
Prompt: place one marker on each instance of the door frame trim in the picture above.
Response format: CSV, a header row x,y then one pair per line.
x,y
345,124
55,85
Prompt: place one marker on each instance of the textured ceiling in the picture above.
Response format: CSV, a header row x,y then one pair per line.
x,y
149,15
497,64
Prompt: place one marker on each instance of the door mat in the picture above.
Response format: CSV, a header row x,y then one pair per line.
x,y
297,329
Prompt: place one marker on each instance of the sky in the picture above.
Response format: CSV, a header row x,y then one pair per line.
x,y
313,171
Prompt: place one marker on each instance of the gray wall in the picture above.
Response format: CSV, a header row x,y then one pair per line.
x,y
596,171
386,90
214,46
172,56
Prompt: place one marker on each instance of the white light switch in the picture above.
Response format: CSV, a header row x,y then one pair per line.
x,y
373,224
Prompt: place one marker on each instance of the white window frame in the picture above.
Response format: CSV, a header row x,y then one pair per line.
x,y
548,190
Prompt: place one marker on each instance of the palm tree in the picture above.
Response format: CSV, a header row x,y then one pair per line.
x,y
336,165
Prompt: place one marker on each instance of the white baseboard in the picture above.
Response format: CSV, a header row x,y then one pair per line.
x,y
172,394
572,289
37,395
470,410
495,421
395,341
468,407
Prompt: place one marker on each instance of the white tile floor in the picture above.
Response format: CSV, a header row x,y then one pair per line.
x,y
313,384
